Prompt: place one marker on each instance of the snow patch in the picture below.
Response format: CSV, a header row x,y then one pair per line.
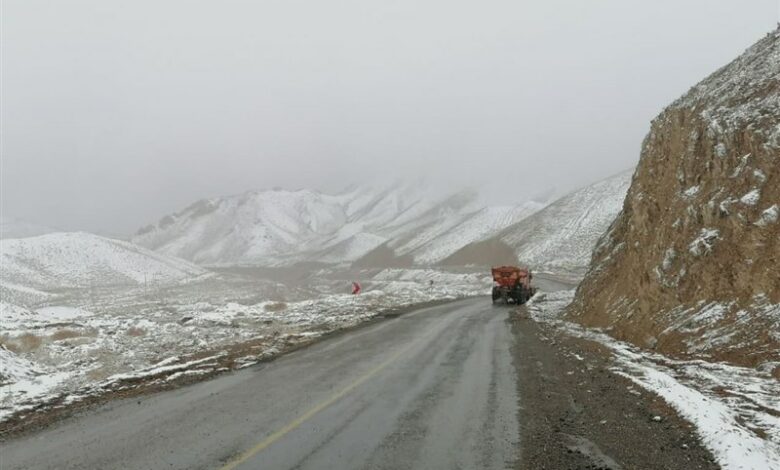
x,y
669,257
720,150
704,243
751,198
734,409
60,314
735,446
769,216
691,192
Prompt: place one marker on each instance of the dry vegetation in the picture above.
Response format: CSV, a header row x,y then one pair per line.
x,y
25,343
135,331
66,334
276,307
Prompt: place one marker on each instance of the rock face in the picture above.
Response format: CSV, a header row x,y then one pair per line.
x,y
691,266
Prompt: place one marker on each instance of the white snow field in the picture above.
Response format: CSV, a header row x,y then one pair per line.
x,y
735,410
72,260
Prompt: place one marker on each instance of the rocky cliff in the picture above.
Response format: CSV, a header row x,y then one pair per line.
x,y
691,266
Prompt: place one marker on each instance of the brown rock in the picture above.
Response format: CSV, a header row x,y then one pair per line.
x,y
693,259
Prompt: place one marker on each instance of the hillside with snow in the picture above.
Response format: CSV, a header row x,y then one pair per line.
x,y
436,242
281,227
32,266
558,238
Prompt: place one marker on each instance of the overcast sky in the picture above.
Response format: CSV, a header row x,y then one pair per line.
x,y
117,112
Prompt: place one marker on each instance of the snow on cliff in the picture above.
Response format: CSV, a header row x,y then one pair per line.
x,y
690,266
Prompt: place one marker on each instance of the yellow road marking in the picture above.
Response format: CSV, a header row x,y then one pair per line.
x,y
308,415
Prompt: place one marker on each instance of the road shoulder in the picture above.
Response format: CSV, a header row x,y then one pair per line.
x,y
574,412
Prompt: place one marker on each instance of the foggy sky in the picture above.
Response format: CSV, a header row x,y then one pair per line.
x,y
115,113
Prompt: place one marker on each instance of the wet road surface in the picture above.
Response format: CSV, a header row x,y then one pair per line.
x,y
465,385
435,388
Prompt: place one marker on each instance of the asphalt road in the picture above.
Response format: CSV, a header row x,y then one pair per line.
x,y
435,388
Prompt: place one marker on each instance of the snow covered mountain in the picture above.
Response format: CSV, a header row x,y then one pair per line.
x,y
70,260
435,242
11,227
559,237
281,227
564,234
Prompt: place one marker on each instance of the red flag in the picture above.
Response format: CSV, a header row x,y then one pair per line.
x,y
355,288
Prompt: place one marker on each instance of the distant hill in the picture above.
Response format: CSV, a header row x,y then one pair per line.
x,y
559,237
66,260
281,227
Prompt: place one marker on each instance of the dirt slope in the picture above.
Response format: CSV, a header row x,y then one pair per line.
x,y
690,266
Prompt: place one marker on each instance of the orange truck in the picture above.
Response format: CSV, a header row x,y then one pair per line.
x,y
512,284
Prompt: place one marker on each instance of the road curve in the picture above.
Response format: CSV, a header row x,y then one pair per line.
x,y
435,388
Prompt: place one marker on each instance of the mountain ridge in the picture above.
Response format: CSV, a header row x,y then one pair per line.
x,y
559,237
60,260
281,227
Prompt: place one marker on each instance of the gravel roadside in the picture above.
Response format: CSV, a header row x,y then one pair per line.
x,y
576,414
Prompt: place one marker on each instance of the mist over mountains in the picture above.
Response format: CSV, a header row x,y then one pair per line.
x,y
279,227
12,227
401,224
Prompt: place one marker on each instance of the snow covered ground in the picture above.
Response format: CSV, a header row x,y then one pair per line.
x,y
78,259
736,410
82,313
91,345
